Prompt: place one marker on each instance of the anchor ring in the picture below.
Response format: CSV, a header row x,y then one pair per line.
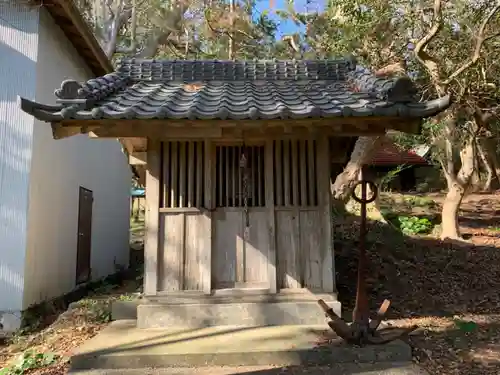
x,y
372,187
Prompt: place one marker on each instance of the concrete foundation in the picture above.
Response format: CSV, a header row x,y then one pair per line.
x,y
386,368
230,310
10,322
122,345
125,310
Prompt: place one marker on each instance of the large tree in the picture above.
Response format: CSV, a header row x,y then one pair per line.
x,y
446,30
180,28
448,48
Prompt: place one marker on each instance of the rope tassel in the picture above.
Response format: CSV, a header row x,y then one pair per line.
x,y
244,168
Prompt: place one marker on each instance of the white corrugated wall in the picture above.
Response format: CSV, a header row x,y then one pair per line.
x,y
18,55
59,167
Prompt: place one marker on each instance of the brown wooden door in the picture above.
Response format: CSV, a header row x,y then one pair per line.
x,y
84,243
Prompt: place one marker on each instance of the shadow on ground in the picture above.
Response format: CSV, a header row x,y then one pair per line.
x,y
450,289
469,346
422,276
351,369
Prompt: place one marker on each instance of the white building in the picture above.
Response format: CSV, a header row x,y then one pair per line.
x,y
64,204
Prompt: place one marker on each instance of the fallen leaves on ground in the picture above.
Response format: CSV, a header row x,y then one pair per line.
x,y
69,331
63,331
449,289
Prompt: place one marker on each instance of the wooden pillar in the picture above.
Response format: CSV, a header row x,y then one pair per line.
x,y
209,203
323,173
152,218
269,199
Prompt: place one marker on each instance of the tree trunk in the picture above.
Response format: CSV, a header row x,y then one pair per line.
x,y
476,177
231,47
449,214
488,184
373,210
490,149
345,181
457,186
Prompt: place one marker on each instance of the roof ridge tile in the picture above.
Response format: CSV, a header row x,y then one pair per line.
x,y
234,70
95,89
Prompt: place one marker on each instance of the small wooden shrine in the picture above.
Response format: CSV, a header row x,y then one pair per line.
x,y
238,172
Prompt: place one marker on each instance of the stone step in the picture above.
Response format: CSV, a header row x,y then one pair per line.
x,y
386,368
122,345
197,311
125,310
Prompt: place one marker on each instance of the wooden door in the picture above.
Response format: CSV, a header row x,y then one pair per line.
x,y
239,261
84,243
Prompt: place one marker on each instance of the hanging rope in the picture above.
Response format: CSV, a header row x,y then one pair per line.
x,y
245,192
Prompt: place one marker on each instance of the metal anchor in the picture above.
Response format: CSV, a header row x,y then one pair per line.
x,y
364,330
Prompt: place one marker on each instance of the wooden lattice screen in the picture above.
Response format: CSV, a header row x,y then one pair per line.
x,y
229,176
295,173
183,174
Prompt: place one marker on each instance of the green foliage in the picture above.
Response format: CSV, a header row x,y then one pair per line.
x,y
399,211
30,360
102,315
99,310
465,326
411,225
408,141
126,297
415,201
33,317
390,176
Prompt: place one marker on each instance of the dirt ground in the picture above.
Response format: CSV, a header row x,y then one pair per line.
x,y
450,290
44,346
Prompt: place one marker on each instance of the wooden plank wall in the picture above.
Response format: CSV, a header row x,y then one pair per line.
x,y
185,224
201,218
297,214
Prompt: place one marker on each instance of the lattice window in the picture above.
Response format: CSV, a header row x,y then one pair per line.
x,y
295,173
183,174
229,184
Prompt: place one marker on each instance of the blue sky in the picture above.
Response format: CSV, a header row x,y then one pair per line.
x,y
288,27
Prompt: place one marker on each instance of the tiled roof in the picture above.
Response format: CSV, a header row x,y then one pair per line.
x,y
389,154
215,70
160,89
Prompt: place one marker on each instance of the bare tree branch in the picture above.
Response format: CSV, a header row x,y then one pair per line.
x,y
229,34
480,39
133,31
291,42
108,4
428,61
113,25
431,63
